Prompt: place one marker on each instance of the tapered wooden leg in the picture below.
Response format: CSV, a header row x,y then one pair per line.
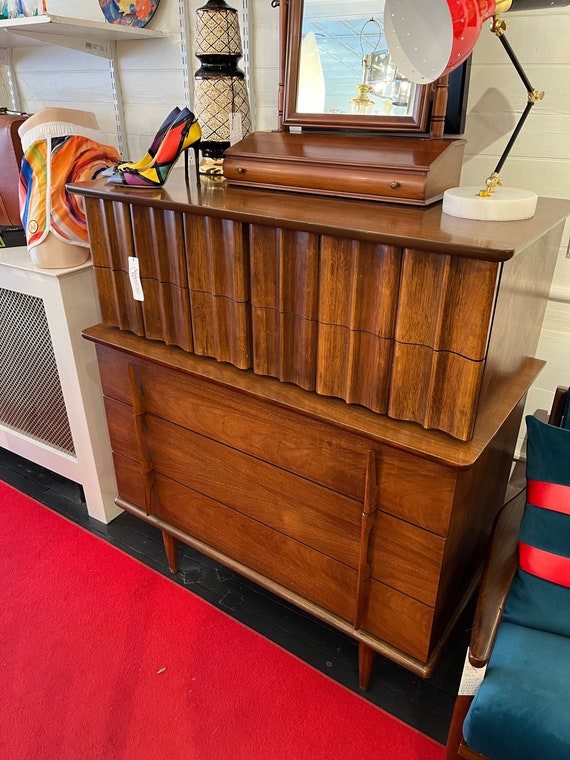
x,y
366,657
455,736
171,547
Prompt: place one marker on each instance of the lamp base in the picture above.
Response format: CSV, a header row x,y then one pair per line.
x,y
505,205
211,166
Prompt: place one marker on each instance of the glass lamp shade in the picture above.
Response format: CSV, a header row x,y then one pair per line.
x,y
428,40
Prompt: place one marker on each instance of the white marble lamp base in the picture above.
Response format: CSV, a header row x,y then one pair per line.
x,y
506,204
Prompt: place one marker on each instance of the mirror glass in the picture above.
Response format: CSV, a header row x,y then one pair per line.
x,y
339,67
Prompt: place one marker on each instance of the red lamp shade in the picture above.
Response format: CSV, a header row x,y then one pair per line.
x,y
429,39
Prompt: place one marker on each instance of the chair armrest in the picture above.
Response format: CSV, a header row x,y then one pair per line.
x,y
558,404
498,574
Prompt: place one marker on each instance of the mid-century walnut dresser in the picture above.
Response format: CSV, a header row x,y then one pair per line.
x,y
323,394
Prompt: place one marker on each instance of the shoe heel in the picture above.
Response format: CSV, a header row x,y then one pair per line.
x,y
196,148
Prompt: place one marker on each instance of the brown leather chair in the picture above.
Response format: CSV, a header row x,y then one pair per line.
x,y
510,730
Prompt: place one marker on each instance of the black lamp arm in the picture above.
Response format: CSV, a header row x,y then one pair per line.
x,y
498,28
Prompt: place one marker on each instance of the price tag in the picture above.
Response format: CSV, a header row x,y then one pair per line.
x,y
471,677
135,278
236,128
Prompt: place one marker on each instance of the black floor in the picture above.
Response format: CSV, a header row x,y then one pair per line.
x,y
427,705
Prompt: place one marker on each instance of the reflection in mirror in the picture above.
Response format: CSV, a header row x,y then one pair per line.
x,y
344,63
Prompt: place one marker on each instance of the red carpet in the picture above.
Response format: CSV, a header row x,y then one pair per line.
x,y
104,659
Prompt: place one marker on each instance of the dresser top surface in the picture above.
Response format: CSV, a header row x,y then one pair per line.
x,y
390,224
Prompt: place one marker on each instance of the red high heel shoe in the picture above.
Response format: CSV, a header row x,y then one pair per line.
x,y
184,133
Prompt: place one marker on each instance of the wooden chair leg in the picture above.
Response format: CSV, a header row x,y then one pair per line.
x,y
455,736
171,548
366,657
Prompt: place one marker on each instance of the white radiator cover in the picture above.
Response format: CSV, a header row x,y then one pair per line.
x,y
51,403
31,398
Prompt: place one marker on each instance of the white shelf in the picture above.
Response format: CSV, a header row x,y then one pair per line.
x,y
97,38
94,37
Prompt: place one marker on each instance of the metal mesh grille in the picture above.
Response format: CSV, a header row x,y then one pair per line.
x,y
31,399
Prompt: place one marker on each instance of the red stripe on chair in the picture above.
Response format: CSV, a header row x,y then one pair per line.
x,y
549,496
545,565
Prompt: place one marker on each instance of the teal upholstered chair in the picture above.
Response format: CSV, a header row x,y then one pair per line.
x,y
521,633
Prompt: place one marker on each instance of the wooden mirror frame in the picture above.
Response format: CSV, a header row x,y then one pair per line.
x,y
290,20
390,159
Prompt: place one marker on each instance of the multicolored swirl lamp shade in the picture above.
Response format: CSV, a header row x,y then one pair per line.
x,y
221,101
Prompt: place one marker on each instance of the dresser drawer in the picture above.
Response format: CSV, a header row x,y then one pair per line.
x,y
278,557
296,507
409,487
288,440
293,506
401,555
406,557
313,177
130,484
391,615
399,620
121,424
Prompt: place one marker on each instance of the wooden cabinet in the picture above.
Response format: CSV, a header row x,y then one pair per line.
x,y
333,508
263,400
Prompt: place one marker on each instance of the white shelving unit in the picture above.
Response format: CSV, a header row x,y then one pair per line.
x,y
77,34
85,36
51,403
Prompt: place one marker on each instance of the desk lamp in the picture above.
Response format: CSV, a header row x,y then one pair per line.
x,y
428,40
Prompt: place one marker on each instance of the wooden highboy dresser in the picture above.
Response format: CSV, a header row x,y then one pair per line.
x,y
322,394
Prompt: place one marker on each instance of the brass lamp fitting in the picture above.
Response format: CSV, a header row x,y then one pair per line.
x,y
502,6
492,182
498,26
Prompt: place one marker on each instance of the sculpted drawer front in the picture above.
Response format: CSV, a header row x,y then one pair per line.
x,y
279,558
155,236
439,376
164,314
